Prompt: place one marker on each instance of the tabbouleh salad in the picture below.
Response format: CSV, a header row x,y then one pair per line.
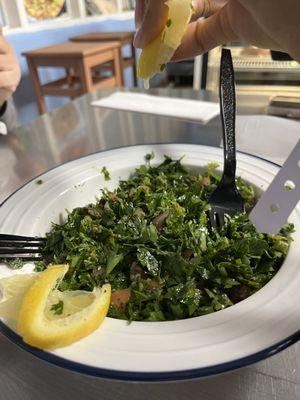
x,y
151,240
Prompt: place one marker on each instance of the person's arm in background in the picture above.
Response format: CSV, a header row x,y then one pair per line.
x,y
271,24
10,76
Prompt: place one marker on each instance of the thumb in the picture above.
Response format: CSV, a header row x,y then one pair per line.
x,y
155,14
205,34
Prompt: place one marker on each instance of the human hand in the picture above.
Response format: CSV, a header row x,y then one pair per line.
x,y
272,24
10,73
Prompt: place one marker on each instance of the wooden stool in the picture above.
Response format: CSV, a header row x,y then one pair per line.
x,y
80,61
123,37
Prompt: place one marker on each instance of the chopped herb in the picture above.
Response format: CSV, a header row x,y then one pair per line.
x,y
39,182
105,172
15,264
162,67
169,23
80,185
39,266
151,240
212,165
58,308
149,156
148,261
289,185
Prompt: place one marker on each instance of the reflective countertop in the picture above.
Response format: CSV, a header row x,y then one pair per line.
x,y
77,129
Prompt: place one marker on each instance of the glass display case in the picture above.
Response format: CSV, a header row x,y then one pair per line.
x,y
256,71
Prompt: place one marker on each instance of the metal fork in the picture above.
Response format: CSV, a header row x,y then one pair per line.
x,y
21,247
226,199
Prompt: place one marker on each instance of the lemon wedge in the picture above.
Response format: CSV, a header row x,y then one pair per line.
x,y
13,289
157,53
82,313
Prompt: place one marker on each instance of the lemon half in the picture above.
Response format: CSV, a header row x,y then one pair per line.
x,y
157,53
82,314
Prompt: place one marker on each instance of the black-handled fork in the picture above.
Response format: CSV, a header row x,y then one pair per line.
x,y
226,199
22,247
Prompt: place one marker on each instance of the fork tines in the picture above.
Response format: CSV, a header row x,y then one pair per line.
x,y
218,213
21,247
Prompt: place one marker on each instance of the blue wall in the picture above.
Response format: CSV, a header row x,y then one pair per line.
x,y
24,97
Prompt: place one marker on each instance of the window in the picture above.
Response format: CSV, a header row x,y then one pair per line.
x,y
45,10
95,7
2,17
128,5
35,14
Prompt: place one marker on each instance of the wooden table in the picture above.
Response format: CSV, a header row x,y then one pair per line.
x,y
124,38
80,61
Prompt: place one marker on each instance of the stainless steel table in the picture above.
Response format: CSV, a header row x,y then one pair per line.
x,y
78,129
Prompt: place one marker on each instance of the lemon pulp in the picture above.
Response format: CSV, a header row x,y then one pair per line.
x,y
157,53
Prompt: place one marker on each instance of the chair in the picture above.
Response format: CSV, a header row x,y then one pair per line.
x,y
124,38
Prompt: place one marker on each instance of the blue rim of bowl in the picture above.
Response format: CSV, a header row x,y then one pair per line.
x,y
133,376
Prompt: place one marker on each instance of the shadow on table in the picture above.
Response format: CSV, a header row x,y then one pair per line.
x,y
25,377
30,378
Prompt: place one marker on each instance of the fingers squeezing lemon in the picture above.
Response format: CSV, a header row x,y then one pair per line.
x,y
47,318
157,53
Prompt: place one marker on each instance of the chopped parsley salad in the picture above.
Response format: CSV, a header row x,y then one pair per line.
x,y
151,240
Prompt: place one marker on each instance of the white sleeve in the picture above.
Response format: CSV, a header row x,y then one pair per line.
x,y
8,117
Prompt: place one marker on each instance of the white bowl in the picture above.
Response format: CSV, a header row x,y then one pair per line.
x,y
247,332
